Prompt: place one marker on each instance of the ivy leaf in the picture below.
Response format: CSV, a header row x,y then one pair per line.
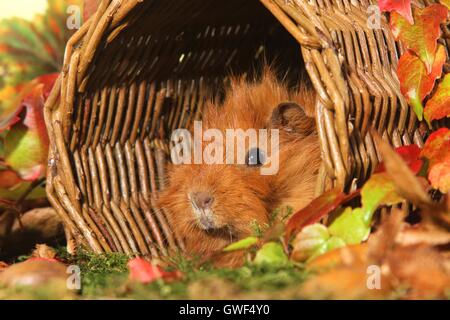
x,y
403,7
437,151
318,208
351,226
415,82
313,241
438,106
421,37
242,244
271,254
410,154
377,191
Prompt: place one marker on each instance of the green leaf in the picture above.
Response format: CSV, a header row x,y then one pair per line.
x,y
271,254
350,226
379,190
242,244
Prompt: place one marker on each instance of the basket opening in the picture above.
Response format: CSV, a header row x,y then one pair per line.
x,y
151,74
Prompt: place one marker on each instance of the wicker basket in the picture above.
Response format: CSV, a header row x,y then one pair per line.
x,y
141,68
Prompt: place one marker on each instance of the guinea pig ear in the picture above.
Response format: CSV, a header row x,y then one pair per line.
x,y
291,117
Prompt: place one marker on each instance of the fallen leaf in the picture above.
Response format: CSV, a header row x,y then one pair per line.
x,y
242,244
438,106
423,234
421,37
313,241
406,183
271,254
145,272
402,7
415,82
421,268
350,226
379,190
317,209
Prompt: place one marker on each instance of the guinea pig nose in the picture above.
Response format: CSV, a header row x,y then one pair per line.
x,y
203,200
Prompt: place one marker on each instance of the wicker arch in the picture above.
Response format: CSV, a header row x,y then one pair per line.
x,y
139,68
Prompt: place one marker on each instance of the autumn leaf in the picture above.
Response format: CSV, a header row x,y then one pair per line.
x,y
313,241
403,7
318,208
350,226
25,144
271,254
415,82
377,191
242,244
438,106
410,154
145,272
437,151
421,37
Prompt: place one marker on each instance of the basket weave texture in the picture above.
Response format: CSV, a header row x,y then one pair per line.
x,y
138,69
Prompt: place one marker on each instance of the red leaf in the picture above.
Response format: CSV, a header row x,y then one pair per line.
x,y
437,151
410,154
421,37
403,7
438,106
317,209
415,83
145,272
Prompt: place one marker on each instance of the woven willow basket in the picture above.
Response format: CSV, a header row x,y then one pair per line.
x,y
141,68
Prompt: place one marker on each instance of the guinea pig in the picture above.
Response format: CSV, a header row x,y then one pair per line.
x,y
213,205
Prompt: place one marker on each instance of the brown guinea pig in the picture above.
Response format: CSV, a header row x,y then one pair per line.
x,y
212,205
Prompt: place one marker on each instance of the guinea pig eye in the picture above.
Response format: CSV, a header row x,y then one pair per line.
x,y
255,157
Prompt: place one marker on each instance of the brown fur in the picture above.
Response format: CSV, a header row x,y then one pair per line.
x,y
242,195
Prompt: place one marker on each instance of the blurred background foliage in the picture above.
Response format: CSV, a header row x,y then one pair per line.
x,y
33,36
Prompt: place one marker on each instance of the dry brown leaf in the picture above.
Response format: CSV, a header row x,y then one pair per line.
x,y
340,257
424,233
406,182
383,239
421,268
